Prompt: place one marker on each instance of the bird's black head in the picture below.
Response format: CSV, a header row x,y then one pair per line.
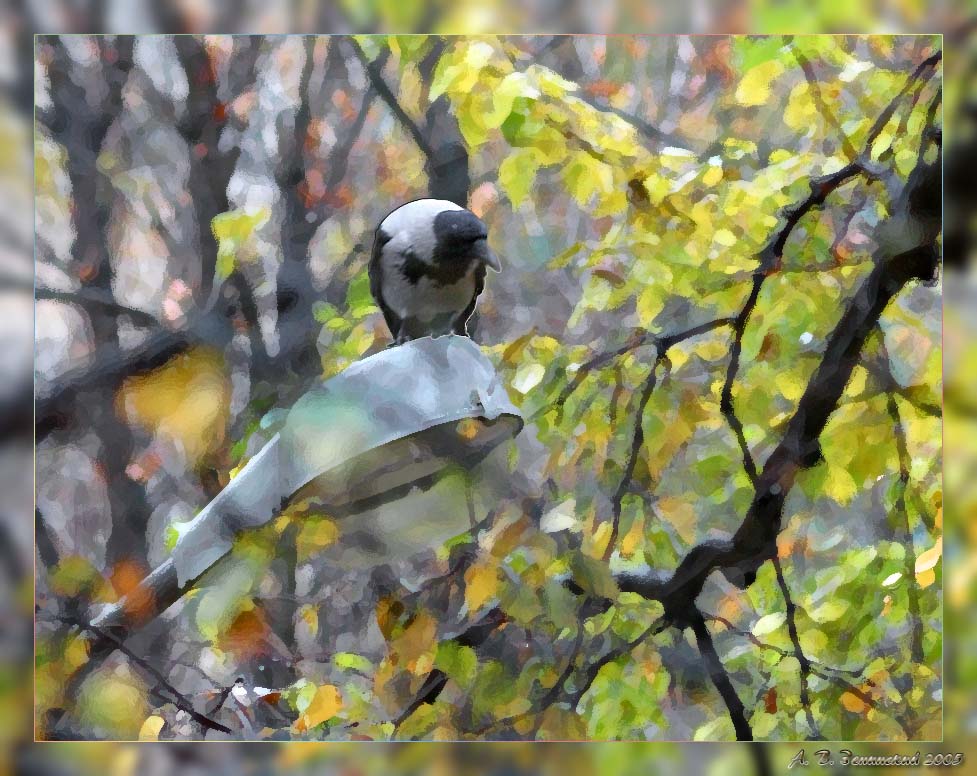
x,y
460,235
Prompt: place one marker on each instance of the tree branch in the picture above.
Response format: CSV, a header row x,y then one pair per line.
x,y
177,698
637,440
901,513
822,106
720,677
907,252
827,673
638,339
814,665
802,660
374,71
87,297
435,681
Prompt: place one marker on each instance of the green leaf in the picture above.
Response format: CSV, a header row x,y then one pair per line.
x,y
754,88
517,173
457,661
593,575
232,230
353,662
358,297
769,623
830,611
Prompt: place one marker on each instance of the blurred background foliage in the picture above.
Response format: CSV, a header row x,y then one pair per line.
x,y
602,190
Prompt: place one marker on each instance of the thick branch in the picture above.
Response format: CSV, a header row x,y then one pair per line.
x,y
907,252
720,678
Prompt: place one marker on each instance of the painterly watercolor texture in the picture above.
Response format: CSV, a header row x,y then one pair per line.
x,y
718,316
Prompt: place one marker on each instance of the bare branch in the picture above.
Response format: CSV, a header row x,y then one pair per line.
x,y
720,678
802,660
901,513
374,71
176,696
637,440
95,297
638,339
822,106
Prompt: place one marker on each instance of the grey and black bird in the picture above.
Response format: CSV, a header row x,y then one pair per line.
x,y
428,268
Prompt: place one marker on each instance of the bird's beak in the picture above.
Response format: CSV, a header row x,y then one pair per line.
x,y
487,256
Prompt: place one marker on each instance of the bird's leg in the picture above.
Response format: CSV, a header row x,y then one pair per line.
x,y
402,335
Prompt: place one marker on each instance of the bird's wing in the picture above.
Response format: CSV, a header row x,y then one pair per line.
x,y
461,322
375,272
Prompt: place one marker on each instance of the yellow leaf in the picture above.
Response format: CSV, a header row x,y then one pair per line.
x,y
928,559
517,174
76,653
634,539
315,535
481,584
725,237
926,578
713,175
150,728
310,616
680,514
840,485
790,386
417,640
754,88
649,303
185,400
326,704
800,111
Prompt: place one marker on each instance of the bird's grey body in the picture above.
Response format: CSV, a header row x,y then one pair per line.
x,y
428,268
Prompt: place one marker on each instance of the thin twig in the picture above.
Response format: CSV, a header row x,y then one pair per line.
x,y
822,106
802,660
177,698
590,676
375,74
902,514
638,339
854,672
637,440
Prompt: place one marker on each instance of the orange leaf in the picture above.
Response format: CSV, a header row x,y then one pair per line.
x,y
853,703
481,584
326,704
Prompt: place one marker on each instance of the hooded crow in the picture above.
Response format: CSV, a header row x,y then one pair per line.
x,y
428,268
